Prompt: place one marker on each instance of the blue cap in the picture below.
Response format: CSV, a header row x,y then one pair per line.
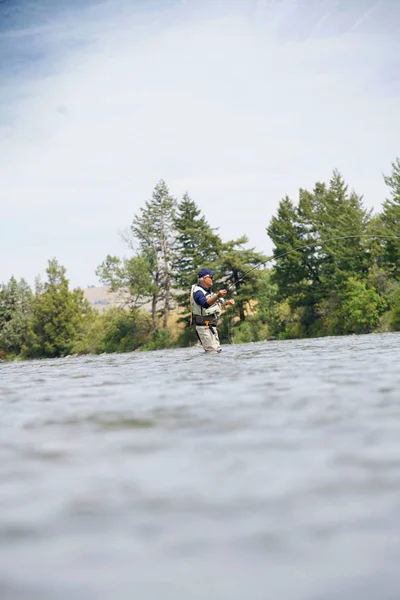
x,y
204,272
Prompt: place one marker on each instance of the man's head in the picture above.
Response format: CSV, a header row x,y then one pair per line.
x,y
206,277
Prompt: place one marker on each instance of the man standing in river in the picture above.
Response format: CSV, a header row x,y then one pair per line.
x,y
206,308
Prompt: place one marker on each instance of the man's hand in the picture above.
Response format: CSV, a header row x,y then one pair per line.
x,y
214,297
230,302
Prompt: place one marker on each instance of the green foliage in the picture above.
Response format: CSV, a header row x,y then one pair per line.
x,y
361,307
131,278
196,245
334,273
290,321
160,340
267,294
58,316
262,319
16,303
394,312
153,230
251,330
90,337
357,309
124,331
187,337
319,246
293,272
237,267
388,223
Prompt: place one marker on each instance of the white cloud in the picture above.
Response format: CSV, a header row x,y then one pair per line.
x,y
216,105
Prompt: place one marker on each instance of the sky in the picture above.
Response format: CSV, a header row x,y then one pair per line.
x,y
237,102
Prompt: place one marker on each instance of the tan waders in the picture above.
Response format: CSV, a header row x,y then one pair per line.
x,y
208,336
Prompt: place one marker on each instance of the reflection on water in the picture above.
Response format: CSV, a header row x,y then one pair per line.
x,y
269,471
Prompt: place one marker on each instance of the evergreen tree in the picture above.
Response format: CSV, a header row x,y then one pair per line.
x,y
389,224
196,245
154,231
16,301
315,250
294,270
237,269
338,216
58,316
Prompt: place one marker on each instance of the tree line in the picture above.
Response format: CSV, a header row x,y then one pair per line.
x,y
335,270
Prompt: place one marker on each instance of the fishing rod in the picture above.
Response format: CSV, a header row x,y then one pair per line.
x,y
316,243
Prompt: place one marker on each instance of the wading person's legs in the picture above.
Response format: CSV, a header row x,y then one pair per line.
x,y
209,338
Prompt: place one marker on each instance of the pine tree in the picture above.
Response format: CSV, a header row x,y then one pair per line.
x,y
196,245
317,249
340,217
295,268
389,224
58,316
16,300
154,231
237,268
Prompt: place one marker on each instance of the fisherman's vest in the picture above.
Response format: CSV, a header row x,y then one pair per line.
x,y
204,316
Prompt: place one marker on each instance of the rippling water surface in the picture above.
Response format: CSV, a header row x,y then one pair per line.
x,y
271,471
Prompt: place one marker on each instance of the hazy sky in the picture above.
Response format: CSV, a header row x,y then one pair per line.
x,y
239,102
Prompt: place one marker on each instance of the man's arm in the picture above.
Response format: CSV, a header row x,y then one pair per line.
x,y
216,296
200,298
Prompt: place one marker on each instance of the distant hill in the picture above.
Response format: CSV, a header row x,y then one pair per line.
x,y
100,297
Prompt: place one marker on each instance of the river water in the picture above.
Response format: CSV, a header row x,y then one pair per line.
x,y
271,471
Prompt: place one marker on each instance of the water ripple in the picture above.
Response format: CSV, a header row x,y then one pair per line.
x,y
269,471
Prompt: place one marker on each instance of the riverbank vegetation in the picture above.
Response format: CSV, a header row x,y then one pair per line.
x,y
335,271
